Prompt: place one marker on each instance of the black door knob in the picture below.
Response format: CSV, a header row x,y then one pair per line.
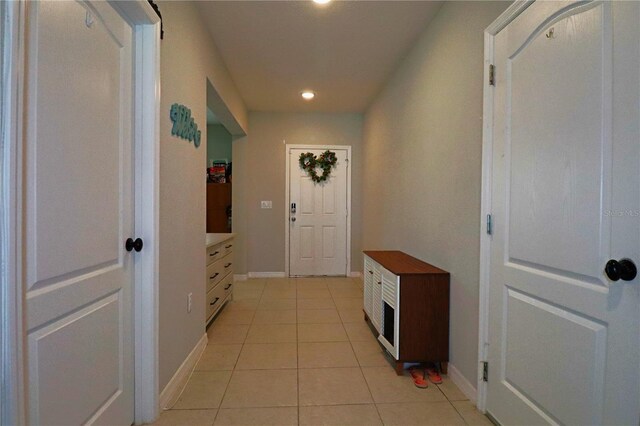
x,y
136,245
624,270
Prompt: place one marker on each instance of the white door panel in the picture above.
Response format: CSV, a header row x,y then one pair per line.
x,y
78,206
318,235
564,345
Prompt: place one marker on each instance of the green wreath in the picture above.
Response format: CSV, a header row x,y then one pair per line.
x,y
326,161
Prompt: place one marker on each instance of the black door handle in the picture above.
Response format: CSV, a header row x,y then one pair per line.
x,y
136,245
214,275
215,301
624,270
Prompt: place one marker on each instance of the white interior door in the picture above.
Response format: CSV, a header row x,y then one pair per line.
x,y
564,339
78,212
318,228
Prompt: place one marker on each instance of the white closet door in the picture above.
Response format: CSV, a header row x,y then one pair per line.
x,y
564,340
78,212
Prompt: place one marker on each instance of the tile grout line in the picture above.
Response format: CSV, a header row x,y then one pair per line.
x,y
236,363
362,373
297,358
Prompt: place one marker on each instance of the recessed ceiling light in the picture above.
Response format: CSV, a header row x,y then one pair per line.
x,y
308,95
321,1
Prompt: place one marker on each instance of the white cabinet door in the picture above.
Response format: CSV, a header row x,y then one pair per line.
x,y
564,340
368,286
78,212
318,228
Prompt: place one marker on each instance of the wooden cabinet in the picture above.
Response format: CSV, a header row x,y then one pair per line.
x,y
219,279
218,207
407,302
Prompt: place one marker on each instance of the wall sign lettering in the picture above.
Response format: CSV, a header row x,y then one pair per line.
x,y
184,125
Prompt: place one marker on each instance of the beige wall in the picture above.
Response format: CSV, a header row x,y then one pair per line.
x,y
422,161
189,57
263,178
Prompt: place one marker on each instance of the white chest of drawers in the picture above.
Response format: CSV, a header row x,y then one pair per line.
x,y
219,279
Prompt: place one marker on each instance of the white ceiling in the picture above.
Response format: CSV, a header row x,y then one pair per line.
x,y
344,51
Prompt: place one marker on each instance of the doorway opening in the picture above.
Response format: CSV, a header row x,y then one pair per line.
x,y
219,175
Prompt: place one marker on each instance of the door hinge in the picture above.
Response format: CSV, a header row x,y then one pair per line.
x,y
492,75
485,371
489,224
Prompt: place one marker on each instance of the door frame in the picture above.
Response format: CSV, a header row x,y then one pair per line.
x,y
288,148
511,13
146,98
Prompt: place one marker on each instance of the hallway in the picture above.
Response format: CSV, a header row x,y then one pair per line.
x,y
297,351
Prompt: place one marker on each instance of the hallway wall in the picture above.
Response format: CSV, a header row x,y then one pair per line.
x,y
264,178
188,58
422,162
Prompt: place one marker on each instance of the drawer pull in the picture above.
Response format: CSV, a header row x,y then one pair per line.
x,y
215,301
229,246
214,275
228,287
379,282
227,265
371,272
214,253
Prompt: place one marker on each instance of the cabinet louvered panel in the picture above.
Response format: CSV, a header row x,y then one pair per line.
x,y
368,287
377,299
389,288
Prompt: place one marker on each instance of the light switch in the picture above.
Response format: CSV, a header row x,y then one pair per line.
x,y
266,204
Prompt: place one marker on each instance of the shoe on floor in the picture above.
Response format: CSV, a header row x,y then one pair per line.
x,y
434,376
417,374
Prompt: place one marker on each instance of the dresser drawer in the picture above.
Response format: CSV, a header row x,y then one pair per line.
x,y
226,247
214,253
215,298
227,264
227,284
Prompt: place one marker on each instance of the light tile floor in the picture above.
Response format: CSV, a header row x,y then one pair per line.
x,y
298,351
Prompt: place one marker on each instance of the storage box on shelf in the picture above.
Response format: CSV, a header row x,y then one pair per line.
x,y
407,302
219,272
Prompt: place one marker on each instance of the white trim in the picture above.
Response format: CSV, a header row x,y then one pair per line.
x,y
266,275
147,178
355,274
288,147
170,394
14,399
240,277
485,204
12,378
465,385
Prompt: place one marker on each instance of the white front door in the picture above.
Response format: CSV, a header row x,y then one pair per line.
x,y
78,212
318,222
564,339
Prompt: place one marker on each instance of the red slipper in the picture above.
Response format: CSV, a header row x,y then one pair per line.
x,y
434,376
418,377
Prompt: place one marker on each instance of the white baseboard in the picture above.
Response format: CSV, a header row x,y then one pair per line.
x,y
266,275
465,386
240,277
170,394
355,274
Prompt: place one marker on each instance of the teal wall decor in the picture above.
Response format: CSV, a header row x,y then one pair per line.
x,y
184,126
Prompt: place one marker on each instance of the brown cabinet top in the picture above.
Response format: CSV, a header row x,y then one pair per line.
x,y
401,263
